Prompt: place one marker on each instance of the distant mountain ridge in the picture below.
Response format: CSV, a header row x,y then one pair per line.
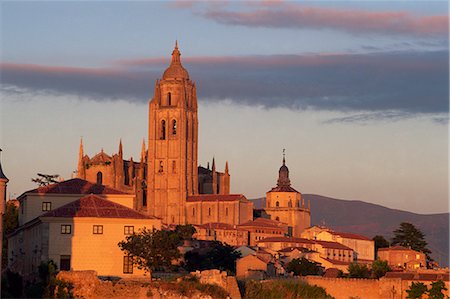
x,y
369,219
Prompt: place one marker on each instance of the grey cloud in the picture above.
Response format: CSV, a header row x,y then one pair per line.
x,y
407,82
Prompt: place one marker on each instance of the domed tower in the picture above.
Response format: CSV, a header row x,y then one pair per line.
x,y
285,204
172,144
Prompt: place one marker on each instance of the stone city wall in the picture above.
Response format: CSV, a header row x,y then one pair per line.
x,y
384,288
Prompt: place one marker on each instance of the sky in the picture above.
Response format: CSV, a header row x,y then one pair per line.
x,y
356,92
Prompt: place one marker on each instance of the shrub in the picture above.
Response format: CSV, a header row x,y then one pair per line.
x,y
283,289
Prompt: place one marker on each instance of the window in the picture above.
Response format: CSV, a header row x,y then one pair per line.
x,y
64,262
417,256
127,265
169,99
99,178
174,127
97,229
66,229
174,166
209,211
290,204
161,167
277,218
226,211
193,211
277,204
163,130
46,206
128,230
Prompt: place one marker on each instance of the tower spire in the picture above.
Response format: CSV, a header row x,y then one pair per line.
x,y
283,173
120,149
81,173
176,54
226,167
284,156
143,150
2,175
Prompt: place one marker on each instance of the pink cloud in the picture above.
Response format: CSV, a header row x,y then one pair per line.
x,y
62,70
289,15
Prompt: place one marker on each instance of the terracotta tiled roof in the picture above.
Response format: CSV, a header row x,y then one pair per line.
x,y
264,222
74,186
332,245
95,206
286,240
217,197
283,189
350,236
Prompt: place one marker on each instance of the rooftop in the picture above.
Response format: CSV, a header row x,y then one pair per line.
x,y
95,206
264,222
74,186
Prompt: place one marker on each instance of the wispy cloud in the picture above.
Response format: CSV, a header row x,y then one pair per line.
x,y
302,16
405,82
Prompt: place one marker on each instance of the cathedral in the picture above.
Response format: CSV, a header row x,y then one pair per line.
x,y
167,181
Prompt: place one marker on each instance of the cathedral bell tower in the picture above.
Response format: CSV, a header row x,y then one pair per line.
x,y
172,144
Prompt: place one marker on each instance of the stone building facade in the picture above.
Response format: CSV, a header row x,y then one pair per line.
x,y
167,181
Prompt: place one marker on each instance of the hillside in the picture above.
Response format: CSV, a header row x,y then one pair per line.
x,y
370,219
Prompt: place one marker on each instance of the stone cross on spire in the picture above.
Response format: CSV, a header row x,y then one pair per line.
x,y
284,156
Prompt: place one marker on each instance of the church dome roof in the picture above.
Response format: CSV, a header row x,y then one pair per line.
x,y
175,69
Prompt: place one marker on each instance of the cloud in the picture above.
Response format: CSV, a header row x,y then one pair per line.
x,y
405,82
355,21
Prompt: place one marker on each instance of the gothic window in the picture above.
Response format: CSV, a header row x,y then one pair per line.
x,y
277,204
298,203
193,211
209,211
277,218
161,167
169,99
174,167
174,127
226,211
99,178
290,204
163,130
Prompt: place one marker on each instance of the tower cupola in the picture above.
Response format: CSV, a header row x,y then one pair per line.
x,y
175,69
283,174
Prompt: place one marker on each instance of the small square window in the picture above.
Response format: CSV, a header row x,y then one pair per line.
x,y
46,206
128,230
97,229
66,229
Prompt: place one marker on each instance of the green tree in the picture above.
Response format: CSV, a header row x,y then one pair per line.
x,y
407,235
380,242
10,223
217,256
185,231
152,249
436,289
45,179
416,290
303,267
356,270
379,268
